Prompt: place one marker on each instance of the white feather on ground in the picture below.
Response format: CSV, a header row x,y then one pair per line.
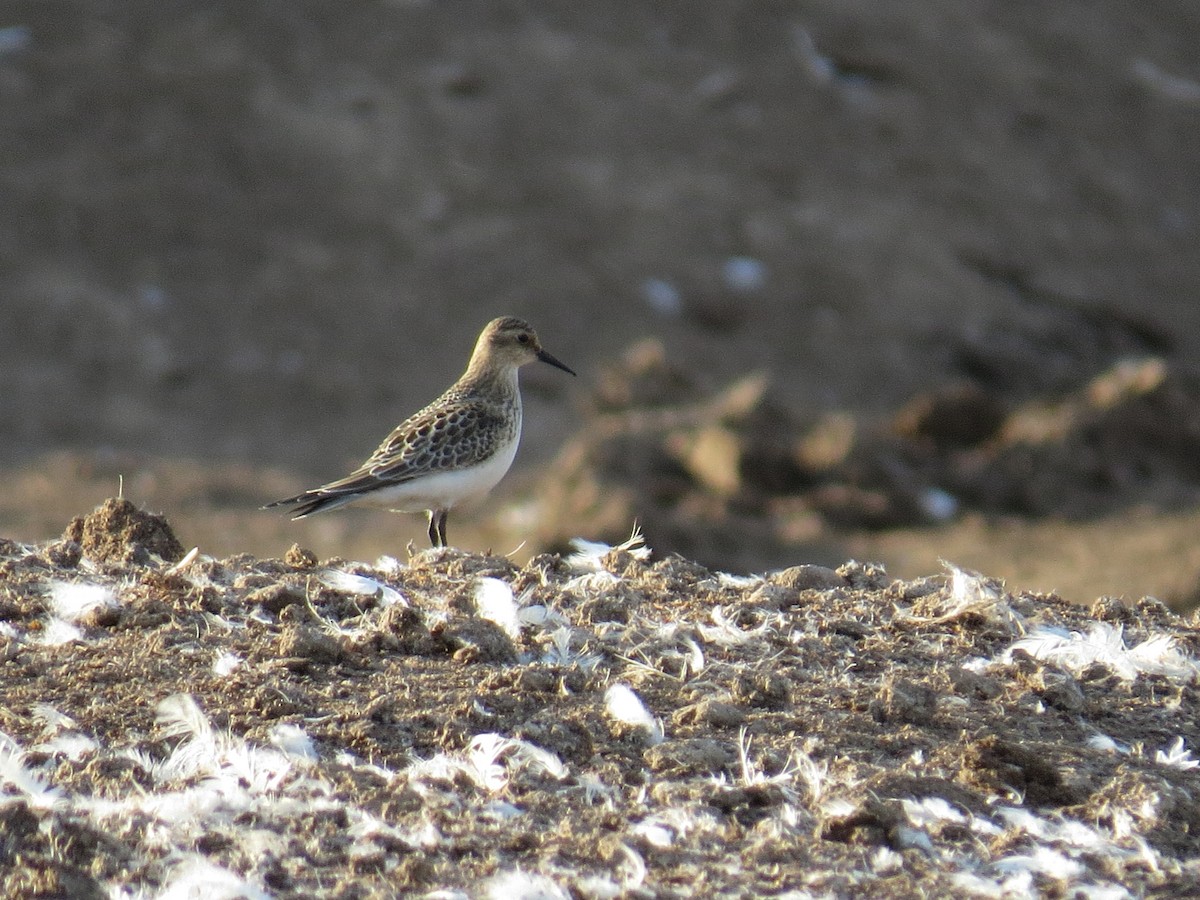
x,y
626,707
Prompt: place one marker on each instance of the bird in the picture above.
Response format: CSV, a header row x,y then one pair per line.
x,y
458,447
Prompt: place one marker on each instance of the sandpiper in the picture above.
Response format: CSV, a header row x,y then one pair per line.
x,y
457,447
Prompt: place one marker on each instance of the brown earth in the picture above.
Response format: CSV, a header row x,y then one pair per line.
x,y
240,240
294,728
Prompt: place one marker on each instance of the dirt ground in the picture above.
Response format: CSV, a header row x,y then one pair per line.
x,y
597,725
241,240
896,283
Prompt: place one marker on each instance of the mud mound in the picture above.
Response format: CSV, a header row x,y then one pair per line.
x,y
117,531
718,476
595,725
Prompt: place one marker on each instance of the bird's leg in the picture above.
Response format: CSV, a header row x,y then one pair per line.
x,y
437,527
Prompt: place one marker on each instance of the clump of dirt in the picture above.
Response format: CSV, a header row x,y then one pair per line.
x,y
734,478
117,531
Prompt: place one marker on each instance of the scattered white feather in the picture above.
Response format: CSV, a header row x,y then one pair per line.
x,y
589,555
1101,892
1058,830
500,811
494,601
427,837
441,768
1159,655
1104,644
180,715
626,707
188,558
674,823
484,753
56,632
590,583
1105,744
1059,843
737,582
695,657
886,861
293,742
558,650
72,600
348,759
727,634
490,762
786,821
518,885
480,710
15,775
594,789
1024,820
631,869
361,586
215,776
931,811
597,887
1176,756
365,828
486,750
979,886
205,752
1044,861
969,590
535,614
259,770
907,838
838,807
969,593
348,582
656,833
389,565
52,718
538,615
752,775
225,663
198,879
262,616
220,623
813,773
72,745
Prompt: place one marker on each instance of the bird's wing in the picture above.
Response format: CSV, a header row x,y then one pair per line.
x,y
437,437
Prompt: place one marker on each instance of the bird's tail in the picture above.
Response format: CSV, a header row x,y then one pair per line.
x,y
310,502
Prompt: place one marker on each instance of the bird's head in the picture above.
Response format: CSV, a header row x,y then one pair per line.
x,y
509,341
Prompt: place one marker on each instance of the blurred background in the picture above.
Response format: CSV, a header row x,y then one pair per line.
x,y
901,281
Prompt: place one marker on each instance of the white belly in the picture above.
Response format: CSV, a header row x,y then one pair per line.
x,y
443,490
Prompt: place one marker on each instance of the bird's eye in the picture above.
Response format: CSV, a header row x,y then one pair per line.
x,y
522,338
